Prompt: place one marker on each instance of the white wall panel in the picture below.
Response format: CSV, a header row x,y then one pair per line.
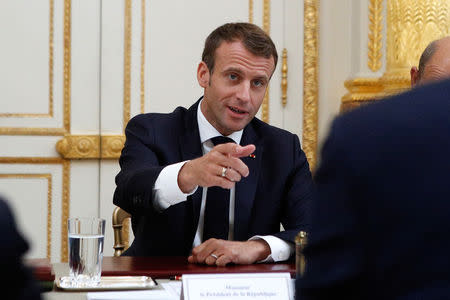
x,y
26,188
112,55
276,110
34,200
335,55
177,31
25,57
84,188
136,46
28,146
85,66
293,112
174,37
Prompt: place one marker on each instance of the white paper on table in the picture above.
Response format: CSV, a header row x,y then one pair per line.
x,y
132,295
173,288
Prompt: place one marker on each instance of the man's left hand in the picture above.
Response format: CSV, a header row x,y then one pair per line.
x,y
241,253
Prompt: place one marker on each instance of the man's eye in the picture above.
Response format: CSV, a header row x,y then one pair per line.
x,y
258,83
232,76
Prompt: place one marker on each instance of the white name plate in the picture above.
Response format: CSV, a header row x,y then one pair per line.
x,y
237,286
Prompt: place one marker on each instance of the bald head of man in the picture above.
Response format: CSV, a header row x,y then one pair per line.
x,y
434,63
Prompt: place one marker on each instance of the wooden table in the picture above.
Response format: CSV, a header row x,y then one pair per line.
x,y
156,267
161,267
164,267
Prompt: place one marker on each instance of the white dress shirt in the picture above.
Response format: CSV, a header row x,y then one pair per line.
x,y
166,192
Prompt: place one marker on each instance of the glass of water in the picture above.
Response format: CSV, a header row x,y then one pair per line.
x,y
86,237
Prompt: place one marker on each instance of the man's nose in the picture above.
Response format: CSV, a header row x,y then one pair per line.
x,y
243,92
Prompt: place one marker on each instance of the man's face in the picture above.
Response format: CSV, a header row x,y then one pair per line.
x,y
235,90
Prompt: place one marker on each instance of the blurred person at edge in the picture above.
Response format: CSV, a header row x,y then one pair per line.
x,y
18,282
380,220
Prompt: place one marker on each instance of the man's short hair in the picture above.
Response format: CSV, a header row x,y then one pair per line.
x,y
426,56
254,39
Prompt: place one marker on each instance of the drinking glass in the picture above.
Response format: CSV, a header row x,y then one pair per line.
x,y
86,236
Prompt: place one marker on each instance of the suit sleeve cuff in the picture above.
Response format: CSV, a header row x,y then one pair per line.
x,y
280,250
166,191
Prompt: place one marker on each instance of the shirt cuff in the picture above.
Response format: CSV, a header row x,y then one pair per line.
x,y
279,249
166,191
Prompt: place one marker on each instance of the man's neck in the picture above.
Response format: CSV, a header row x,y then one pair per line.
x,y
208,131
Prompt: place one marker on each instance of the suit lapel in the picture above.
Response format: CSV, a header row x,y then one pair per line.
x,y
191,148
246,188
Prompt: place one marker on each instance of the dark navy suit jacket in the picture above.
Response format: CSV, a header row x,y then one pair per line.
x,y
381,220
278,189
17,282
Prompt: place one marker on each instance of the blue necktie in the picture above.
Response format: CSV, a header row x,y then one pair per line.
x,y
217,207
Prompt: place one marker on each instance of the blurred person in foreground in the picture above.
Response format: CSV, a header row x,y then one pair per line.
x,y
434,63
18,282
213,182
380,222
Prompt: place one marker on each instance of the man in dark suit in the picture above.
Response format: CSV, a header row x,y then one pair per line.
x,y
380,222
219,203
17,282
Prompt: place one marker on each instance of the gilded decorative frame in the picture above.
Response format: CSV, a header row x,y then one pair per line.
x,y
50,74
65,193
66,82
266,28
310,80
375,35
48,177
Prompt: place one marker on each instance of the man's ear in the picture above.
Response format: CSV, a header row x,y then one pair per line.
x,y
414,76
203,74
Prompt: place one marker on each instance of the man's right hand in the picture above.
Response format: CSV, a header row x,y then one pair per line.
x,y
206,171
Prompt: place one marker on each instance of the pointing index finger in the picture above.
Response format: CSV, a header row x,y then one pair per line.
x,y
235,150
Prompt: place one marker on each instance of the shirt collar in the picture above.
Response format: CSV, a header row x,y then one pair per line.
x,y
207,131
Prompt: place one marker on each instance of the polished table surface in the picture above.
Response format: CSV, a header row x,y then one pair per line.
x,y
164,267
155,267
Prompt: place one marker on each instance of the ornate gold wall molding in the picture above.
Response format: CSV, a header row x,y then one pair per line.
x,y
67,62
266,28
50,63
49,215
79,146
361,90
31,160
411,26
65,210
31,131
50,58
310,79
284,81
48,177
65,190
375,34
111,146
67,82
127,64
90,146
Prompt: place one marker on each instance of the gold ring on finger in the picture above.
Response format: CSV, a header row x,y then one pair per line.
x,y
224,172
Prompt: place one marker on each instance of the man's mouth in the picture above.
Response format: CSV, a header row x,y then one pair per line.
x,y
236,110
